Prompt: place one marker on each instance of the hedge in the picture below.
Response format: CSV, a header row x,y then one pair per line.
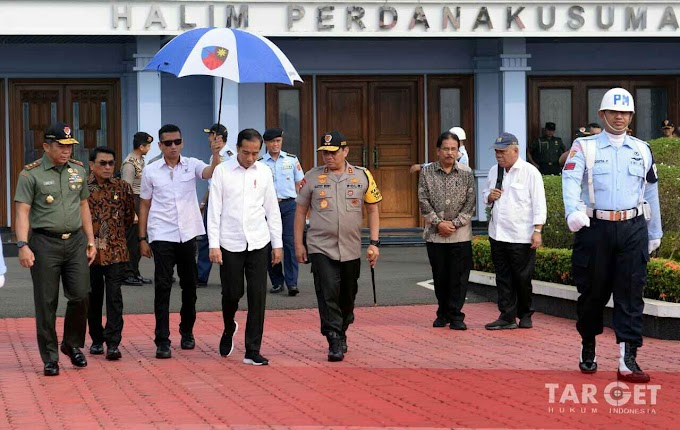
x,y
554,265
667,155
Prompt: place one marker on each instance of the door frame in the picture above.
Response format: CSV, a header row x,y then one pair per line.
x,y
16,85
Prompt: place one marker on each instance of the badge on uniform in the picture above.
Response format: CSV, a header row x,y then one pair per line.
x,y
570,166
354,180
322,193
323,203
49,199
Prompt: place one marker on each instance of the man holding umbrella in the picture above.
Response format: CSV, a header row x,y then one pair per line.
x,y
334,195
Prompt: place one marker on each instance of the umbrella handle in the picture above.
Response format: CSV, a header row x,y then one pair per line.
x,y
219,114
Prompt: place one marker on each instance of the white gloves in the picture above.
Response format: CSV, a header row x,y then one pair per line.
x,y
653,244
2,280
577,220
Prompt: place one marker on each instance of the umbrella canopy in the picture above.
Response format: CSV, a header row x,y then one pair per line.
x,y
228,53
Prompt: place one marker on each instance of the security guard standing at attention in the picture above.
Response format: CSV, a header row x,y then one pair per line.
x,y
611,202
334,195
544,152
288,176
51,200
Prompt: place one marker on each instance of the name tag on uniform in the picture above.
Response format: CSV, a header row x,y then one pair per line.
x,y
287,167
48,183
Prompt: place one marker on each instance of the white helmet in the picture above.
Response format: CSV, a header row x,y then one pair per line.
x,y
619,100
458,132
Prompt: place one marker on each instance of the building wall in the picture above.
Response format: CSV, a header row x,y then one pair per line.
x,y
27,60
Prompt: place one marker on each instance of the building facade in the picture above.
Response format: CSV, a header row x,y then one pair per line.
x,y
391,75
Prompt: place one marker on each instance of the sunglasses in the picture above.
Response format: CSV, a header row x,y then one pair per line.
x,y
176,142
107,163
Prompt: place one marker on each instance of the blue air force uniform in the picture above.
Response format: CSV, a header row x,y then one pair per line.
x,y
611,255
287,172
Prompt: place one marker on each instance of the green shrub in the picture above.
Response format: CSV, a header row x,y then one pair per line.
x,y
666,151
556,234
554,265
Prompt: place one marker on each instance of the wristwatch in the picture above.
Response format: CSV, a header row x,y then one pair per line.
x,y
537,230
21,244
143,238
90,245
375,243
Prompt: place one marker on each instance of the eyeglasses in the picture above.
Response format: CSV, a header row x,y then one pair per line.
x,y
104,163
448,149
176,142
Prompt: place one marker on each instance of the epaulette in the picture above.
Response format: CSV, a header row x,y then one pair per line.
x,y
291,155
639,140
591,137
79,163
361,168
260,159
33,165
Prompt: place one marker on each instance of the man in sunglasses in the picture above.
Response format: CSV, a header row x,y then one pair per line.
x,y
112,205
169,222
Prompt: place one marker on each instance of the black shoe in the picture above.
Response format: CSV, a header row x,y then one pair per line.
x,y
439,322
51,369
96,349
293,291
144,280
343,343
131,280
227,341
276,289
113,353
500,324
457,325
525,322
75,354
588,361
188,341
334,349
628,370
201,284
163,351
255,359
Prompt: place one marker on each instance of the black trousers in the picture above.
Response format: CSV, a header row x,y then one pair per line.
x,y
165,256
336,285
451,264
132,234
252,264
106,280
611,257
54,259
514,264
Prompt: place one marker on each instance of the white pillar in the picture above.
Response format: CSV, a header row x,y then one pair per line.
x,y
514,70
229,116
148,90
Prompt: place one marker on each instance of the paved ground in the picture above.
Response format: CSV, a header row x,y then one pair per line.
x,y
398,272
399,373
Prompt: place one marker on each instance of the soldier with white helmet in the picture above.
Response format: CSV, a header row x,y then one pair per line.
x,y
611,201
462,152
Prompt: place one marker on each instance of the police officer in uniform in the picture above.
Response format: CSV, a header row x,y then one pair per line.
x,y
51,199
667,128
334,195
288,176
544,152
611,202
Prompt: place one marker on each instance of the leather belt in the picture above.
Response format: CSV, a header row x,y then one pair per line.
x,y
286,199
621,215
62,236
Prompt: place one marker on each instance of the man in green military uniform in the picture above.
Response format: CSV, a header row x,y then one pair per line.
x,y
51,201
544,152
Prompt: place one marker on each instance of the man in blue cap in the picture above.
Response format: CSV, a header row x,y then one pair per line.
x,y
288,176
514,191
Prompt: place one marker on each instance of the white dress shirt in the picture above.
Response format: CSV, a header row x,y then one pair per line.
x,y
243,211
521,205
174,215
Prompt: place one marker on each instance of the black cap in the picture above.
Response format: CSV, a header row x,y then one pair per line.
x,y
61,133
550,126
332,141
667,124
583,132
218,129
141,138
272,133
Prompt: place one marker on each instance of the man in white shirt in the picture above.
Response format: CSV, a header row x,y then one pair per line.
x,y
517,213
169,221
243,218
